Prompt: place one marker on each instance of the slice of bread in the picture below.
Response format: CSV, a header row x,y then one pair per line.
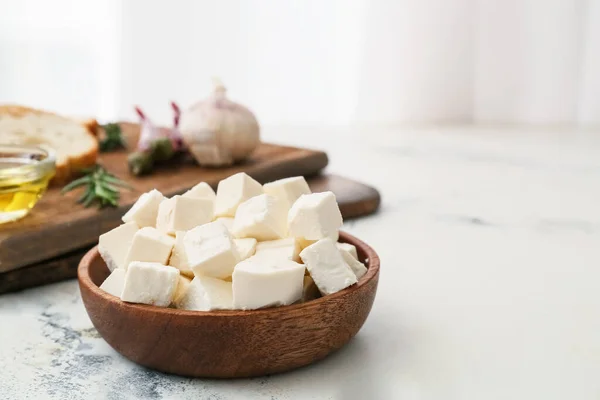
x,y
73,141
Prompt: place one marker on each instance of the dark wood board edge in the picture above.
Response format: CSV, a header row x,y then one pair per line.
x,y
45,273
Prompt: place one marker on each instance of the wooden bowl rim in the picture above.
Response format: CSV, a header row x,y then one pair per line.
x,y
372,271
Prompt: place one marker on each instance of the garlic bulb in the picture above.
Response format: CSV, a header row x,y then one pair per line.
x,y
218,131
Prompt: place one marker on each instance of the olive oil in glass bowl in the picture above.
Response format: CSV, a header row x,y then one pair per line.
x,y
25,172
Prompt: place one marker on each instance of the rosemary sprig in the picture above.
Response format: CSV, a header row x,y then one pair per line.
x,y
100,186
113,138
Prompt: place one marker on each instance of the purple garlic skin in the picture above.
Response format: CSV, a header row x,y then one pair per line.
x,y
218,131
176,138
149,132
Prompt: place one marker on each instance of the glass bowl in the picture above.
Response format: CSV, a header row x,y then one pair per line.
x,y
25,172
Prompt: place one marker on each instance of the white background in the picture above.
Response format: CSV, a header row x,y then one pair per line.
x,y
329,62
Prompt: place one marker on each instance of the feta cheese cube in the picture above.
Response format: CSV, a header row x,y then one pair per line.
x,y
262,217
183,213
182,287
150,283
288,248
150,245
178,258
233,191
227,221
356,266
263,282
114,283
349,248
245,247
201,191
315,216
145,209
210,250
327,267
206,294
310,291
113,245
287,190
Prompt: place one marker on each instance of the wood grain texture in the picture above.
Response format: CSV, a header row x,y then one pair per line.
x,y
354,198
57,225
229,344
44,273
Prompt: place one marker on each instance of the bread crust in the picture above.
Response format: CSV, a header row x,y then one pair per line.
x,y
71,168
92,126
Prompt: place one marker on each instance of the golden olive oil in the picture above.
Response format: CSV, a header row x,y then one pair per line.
x,y
19,194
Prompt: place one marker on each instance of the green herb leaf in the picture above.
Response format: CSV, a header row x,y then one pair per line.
x,y
162,149
113,139
140,162
115,181
88,199
76,183
100,187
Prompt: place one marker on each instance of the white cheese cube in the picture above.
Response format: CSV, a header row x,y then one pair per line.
x,y
263,282
150,283
245,247
233,191
262,217
287,190
310,291
288,248
349,248
210,250
206,294
183,213
150,245
227,221
113,245
182,287
327,267
356,266
114,283
178,258
145,209
201,191
315,216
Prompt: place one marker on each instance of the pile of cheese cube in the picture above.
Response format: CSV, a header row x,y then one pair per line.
x,y
246,247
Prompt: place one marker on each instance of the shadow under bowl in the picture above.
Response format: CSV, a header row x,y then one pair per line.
x,y
229,344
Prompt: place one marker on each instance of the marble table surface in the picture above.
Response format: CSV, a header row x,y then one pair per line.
x,y
489,241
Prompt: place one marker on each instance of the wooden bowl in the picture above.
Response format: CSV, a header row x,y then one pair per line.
x,y
229,344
